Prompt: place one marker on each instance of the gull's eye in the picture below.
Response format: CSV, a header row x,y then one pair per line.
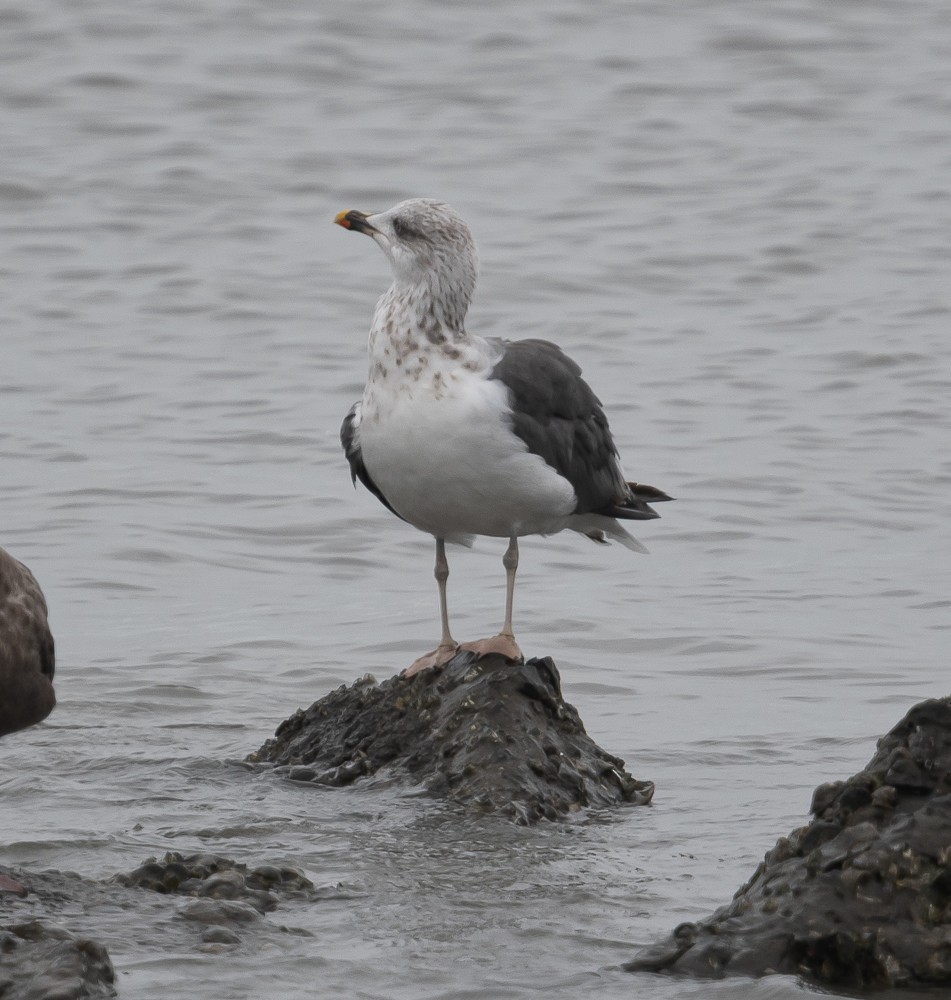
x,y
401,230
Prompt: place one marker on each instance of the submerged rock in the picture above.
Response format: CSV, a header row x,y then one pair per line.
x,y
212,877
39,961
219,904
861,897
491,735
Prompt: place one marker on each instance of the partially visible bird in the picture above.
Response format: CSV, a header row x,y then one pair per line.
x,y
26,649
462,435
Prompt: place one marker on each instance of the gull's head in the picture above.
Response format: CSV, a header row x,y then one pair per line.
x,y
426,243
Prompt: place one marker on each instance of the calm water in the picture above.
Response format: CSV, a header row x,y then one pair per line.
x,y
735,215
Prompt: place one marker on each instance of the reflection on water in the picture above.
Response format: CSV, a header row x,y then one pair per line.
x,y
735,218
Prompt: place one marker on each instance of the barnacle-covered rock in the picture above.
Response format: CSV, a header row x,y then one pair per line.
x,y
491,735
861,897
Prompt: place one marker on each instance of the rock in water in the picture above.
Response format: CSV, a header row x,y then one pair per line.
x,y
861,897
212,876
494,736
38,960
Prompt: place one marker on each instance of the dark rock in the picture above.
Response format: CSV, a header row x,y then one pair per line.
x,y
860,898
39,962
270,877
218,903
816,835
217,934
213,877
491,735
220,911
26,649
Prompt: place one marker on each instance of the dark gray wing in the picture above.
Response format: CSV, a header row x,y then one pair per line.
x,y
350,439
558,416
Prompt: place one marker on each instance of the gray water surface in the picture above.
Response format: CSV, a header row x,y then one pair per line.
x,y
735,216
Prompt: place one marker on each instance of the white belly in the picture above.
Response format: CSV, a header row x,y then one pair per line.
x,y
444,456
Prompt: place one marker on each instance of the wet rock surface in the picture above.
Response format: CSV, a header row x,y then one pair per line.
x,y
40,962
214,878
860,897
490,735
47,951
227,896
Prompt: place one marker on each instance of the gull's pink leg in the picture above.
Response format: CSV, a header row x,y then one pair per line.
x,y
448,647
504,643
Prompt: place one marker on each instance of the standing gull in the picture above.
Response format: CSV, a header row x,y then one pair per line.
x,y
462,435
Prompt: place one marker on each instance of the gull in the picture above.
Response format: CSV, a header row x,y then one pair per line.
x,y
26,649
462,435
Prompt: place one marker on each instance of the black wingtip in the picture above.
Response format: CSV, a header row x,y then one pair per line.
x,y
636,506
649,494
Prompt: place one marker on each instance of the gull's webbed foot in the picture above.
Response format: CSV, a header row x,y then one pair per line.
x,y
438,658
504,645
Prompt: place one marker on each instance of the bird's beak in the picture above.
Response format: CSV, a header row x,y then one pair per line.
x,y
357,221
